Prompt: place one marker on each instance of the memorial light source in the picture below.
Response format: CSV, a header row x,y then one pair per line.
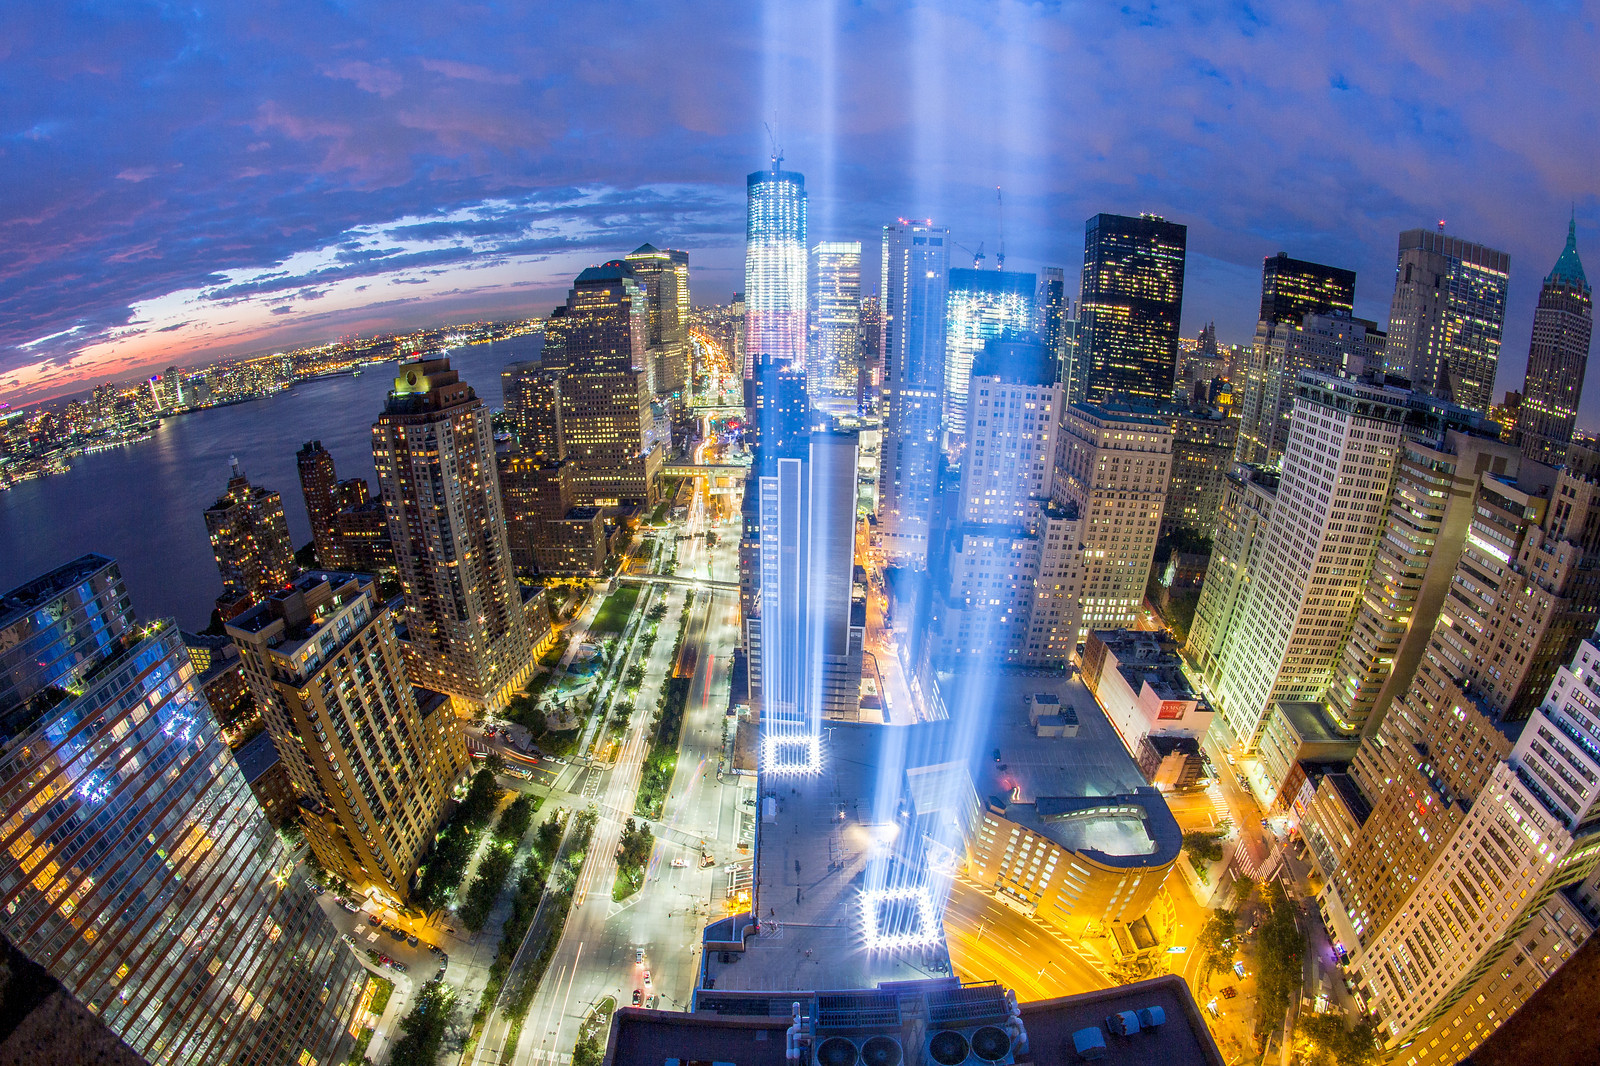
x,y
896,919
794,754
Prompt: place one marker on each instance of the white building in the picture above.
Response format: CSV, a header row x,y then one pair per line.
x,y
1531,832
1330,507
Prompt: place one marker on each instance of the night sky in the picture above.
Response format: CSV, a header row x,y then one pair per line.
x,y
179,181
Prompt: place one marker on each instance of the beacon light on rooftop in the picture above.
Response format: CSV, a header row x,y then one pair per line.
x,y
899,918
798,754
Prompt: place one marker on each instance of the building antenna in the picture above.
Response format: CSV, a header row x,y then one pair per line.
x,y
777,152
1000,256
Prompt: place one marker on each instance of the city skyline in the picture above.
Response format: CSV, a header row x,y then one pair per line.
x,y
506,231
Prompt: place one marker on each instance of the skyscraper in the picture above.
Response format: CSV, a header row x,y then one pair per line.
x,y
1291,289
981,306
810,645
371,757
1430,506
833,365
1558,356
1528,831
870,345
319,485
596,344
1014,415
531,393
1249,496
433,448
1446,318
1327,343
664,274
1113,463
1522,596
775,267
1203,441
1131,304
138,868
916,263
250,540
1329,510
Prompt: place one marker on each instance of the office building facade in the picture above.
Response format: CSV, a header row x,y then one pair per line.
x,y
981,306
138,868
1558,358
1249,495
775,267
319,481
810,646
1113,463
596,343
913,288
531,394
1328,512
663,273
1281,352
1447,316
433,447
1203,442
1131,305
1291,289
833,363
372,759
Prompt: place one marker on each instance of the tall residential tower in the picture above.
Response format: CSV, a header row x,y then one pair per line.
x,y
434,451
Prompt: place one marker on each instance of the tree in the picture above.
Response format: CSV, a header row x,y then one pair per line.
x,y
1280,961
1216,939
1205,845
588,1052
1326,1042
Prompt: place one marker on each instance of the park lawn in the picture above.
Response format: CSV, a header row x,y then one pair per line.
x,y
613,614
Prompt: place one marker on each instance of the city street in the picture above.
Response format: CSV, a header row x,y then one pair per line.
x,y
598,952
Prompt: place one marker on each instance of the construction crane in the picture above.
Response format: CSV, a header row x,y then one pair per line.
x,y
777,152
977,257
1000,209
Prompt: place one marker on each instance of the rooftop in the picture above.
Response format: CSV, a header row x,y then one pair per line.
x,y
750,1029
256,757
41,590
1310,721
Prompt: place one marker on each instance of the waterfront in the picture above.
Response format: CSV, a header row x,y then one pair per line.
x,y
143,504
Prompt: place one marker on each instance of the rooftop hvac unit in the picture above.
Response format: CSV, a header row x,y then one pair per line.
x,y
990,1043
984,1045
948,1048
836,1051
881,1051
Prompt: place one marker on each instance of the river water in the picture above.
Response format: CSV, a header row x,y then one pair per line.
x,y
144,505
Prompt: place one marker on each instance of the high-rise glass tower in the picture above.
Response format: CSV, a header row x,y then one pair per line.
x,y
981,306
1131,307
434,451
775,267
915,275
663,273
1558,356
319,480
833,365
1291,289
138,867
810,650
1446,318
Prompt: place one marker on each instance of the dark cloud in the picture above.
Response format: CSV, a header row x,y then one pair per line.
x,y
148,149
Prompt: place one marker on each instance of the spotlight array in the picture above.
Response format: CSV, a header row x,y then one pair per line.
x,y
899,918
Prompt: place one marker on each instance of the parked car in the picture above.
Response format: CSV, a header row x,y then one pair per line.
x,y
411,938
351,907
638,954
402,967
373,919
440,975
680,863
647,978
433,949
397,934
638,996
